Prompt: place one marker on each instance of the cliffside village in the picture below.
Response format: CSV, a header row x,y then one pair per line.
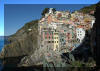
x,y
63,31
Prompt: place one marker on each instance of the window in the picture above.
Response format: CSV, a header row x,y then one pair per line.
x,y
62,39
49,42
55,30
78,34
57,41
49,37
77,40
52,41
64,30
44,28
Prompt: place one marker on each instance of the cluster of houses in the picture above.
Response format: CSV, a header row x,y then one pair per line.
x,y
62,30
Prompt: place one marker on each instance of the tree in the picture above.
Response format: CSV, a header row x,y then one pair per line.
x,y
46,10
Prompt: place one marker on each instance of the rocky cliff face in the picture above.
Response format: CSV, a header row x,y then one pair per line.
x,y
23,42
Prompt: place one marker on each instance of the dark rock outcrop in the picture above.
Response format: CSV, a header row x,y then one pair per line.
x,y
96,50
83,52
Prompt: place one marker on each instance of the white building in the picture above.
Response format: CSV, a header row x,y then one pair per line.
x,y
80,34
93,21
52,25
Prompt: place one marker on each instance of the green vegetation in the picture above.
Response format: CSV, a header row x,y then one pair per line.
x,y
89,8
31,24
46,10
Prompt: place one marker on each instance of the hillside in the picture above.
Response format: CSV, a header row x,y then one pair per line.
x,y
88,9
23,42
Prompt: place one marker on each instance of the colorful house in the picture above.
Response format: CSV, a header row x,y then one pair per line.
x,y
62,29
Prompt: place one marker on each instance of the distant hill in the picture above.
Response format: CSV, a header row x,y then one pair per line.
x,y
88,9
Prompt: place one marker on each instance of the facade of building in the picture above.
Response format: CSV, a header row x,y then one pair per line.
x,y
80,33
61,29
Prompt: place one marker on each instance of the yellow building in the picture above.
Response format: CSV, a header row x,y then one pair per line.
x,y
56,41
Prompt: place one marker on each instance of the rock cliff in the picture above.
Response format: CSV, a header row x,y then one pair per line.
x,y
23,42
